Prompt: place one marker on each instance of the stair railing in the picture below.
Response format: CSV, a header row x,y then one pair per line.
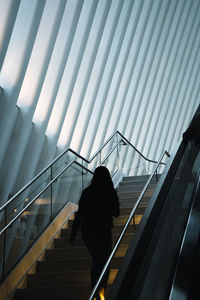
x,y
123,141
126,226
46,188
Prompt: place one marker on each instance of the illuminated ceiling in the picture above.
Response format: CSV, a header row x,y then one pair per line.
x,y
73,72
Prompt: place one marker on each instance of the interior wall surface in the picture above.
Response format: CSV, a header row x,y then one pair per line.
x,y
72,72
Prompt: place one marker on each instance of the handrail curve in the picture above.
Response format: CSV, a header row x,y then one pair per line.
x,y
49,184
77,155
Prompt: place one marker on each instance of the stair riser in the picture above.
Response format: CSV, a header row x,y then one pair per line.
x,y
128,186
63,278
71,265
139,178
64,243
77,252
54,293
127,194
65,233
121,220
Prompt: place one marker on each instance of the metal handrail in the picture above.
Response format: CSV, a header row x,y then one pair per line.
x,y
127,141
126,226
77,155
49,184
40,193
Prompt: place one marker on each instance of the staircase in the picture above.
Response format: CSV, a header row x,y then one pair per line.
x,y
65,271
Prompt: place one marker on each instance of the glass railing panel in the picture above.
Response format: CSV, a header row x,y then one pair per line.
x,y
62,162
111,163
27,196
95,162
26,230
108,147
132,163
68,186
103,153
86,177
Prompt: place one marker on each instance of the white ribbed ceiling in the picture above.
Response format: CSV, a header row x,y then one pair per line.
x,y
73,72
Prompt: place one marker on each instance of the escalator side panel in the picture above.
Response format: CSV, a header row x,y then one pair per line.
x,y
150,260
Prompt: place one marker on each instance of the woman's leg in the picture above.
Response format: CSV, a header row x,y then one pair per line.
x,y
100,247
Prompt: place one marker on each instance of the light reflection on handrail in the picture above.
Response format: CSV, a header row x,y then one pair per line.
x,y
126,226
40,193
50,183
77,155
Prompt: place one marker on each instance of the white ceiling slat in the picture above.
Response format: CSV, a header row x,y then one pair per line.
x,y
145,61
90,68
106,77
15,63
168,65
87,63
102,95
142,62
187,61
177,63
71,69
137,83
154,62
163,55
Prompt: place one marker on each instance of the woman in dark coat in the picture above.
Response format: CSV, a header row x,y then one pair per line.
x,y
98,203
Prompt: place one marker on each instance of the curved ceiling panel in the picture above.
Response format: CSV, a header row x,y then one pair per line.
x,y
73,72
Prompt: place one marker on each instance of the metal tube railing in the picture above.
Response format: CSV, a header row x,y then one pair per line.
x,y
40,193
78,156
108,153
125,227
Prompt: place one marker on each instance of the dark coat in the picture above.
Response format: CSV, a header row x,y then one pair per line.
x,y
96,208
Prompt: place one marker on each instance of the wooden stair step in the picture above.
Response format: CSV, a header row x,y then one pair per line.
x,y
73,292
77,252
65,232
132,201
133,194
121,220
63,278
64,242
80,264
136,187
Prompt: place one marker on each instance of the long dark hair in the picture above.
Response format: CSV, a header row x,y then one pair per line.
x,y
101,178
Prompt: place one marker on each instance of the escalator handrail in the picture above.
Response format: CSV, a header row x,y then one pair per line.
x,y
126,225
78,156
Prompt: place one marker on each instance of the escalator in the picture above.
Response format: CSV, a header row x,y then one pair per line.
x,y
162,261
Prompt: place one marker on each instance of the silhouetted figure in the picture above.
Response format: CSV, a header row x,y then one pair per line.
x,y
98,203
193,131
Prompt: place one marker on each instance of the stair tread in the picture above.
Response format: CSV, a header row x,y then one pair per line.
x,y
66,278
65,262
58,292
56,265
